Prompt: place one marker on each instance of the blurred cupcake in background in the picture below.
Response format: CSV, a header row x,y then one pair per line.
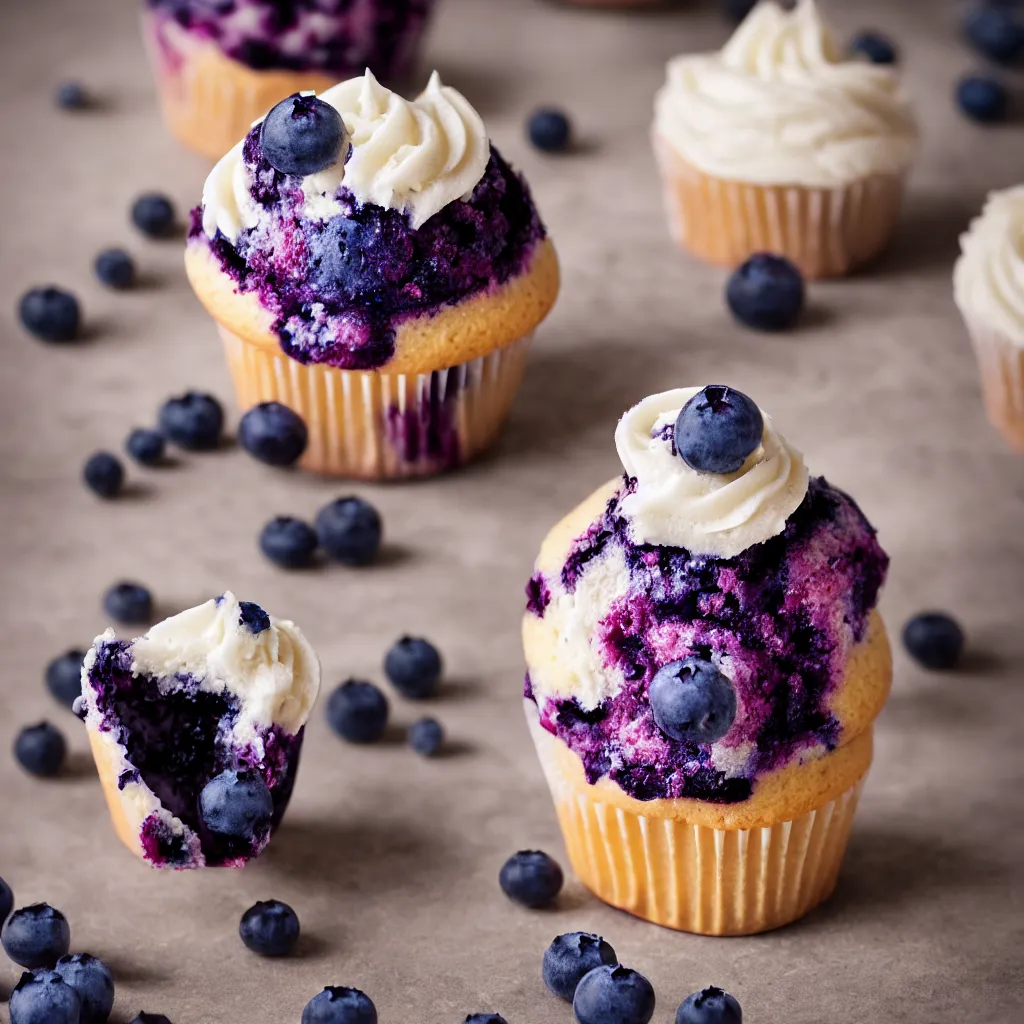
x,y
988,284
221,64
782,143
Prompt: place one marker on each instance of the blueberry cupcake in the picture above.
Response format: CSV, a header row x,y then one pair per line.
x,y
196,729
220,64
374,264
783,143
705,664
989,289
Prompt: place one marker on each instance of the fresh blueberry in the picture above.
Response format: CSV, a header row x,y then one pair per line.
x,y
358,712
115,268
532,878
44,997
934,639
40,750
50,313
766,292
64,676
873,45
737,10
253,617
274,434
129,603
303,135
717,430
710,1006
289,543
103,474
6,901
72,96
613,995
426,736
237,803
414,667
270,928
486,1018
692,701
549,130
146,446
36,936
982,99
150,1018
572,956
153,215
337,1005
349,530
995,32
193,420
91,979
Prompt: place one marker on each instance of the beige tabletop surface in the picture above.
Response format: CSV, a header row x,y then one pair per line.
x,y
392,861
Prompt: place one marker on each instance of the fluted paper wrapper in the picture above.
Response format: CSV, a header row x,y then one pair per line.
x,y
1001,365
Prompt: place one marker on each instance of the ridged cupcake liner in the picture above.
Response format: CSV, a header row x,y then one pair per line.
x,y
379,426
1001,365
825,232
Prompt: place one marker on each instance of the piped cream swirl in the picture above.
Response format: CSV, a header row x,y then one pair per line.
x,y
706,513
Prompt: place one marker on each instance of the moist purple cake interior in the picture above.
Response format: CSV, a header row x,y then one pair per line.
x,y
784,612
339,288
177,738
339,36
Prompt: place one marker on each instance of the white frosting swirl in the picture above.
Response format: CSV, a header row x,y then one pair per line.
x,y
707,513
415,156
988,280
779,105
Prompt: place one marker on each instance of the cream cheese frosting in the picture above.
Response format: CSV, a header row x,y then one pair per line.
x,y
417,156
781,105
988,280
706,513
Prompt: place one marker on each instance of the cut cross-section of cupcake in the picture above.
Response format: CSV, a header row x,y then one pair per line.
x,y
196,729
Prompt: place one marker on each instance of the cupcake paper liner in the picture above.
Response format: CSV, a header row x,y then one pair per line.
x,y
1001,364
379,426
825,232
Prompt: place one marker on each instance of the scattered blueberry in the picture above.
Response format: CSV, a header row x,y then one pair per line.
x,y
43,997
150,1018
146,446
153,215
103,474
486,1018
766,292
270,928
614,995
737,10
273,433
710,1006
6,901
72,96
36,936
934,639
193,420
549,130
303,135
91,979
532,878
982,99
349,530
50,313
877,48
253,617
115,268
414,667
236,803
692,701
64,676
289,543
572,956
996,33
718,429
129,603
426,736
40,750
337,1005
358,712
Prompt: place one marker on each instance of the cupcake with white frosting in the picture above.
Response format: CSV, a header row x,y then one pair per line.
x,y
705,663
196,729
782,143
375,264
989,289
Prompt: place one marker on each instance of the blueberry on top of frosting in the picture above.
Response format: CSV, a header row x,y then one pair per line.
x,y
303,135
253,617
717,430
692,701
